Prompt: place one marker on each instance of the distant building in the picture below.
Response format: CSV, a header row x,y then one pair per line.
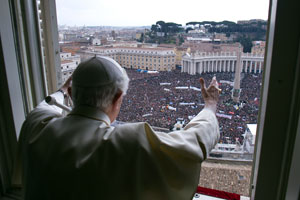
x,y
180,51
69,36
200,46
250,21
258,47
68,64
126,44
83,40
65,55
96,42
221,36
60,36
167,46
110,39
113,34
257,20
199,39
243,22
104,41
196,31
160,59
70,48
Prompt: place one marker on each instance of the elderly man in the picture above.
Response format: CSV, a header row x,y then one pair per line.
x,y
81,156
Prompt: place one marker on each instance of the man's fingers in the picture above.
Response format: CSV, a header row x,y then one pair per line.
x,y
203,88
214,82
202,83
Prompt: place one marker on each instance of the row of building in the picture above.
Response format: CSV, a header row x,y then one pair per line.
x,y
146,58
193,57
69,63
203,62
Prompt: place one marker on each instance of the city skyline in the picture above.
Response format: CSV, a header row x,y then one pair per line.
x,y
137,13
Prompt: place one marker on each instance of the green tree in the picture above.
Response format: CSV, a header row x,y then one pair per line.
x,y
246,42
141,38
188,29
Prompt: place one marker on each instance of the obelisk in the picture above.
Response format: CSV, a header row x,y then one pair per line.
x,y
237,78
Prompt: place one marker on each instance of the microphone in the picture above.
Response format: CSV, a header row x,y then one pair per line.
x,y
52,101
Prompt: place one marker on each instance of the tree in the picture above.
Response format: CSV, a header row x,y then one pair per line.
x,y
181,39
154,28
161,25
246,43
141,38
188,29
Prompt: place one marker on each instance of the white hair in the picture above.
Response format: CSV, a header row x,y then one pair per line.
x,y
102,96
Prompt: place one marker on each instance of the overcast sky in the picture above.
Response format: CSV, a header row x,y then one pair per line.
x,y
145,13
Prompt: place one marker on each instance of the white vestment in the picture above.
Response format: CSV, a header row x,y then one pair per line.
x,y
82,157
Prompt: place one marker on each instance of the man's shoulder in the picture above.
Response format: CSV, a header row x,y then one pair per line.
x,y
132,131
131,126
38,119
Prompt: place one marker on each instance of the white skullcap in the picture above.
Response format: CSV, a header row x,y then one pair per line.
x,y
97,71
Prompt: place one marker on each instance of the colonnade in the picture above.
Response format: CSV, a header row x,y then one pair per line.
x,y
203,63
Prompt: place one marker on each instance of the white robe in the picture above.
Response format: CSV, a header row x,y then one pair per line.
x,y
82,157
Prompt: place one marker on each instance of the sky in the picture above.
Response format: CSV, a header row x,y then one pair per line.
x,y
146,13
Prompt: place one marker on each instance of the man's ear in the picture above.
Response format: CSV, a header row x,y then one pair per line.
x,y
117,97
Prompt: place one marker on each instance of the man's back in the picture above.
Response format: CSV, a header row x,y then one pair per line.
x,y
81,157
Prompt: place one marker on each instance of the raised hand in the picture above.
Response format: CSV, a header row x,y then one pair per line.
x,y
210,94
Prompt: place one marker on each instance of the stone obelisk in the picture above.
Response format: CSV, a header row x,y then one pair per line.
x,y
237,78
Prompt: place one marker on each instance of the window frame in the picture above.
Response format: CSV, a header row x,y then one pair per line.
x,y
23,80
279,115
11,99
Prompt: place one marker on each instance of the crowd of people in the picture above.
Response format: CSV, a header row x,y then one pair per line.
x,y
226,176
165,98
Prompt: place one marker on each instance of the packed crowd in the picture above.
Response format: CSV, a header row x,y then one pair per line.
x,y
233,177
154,98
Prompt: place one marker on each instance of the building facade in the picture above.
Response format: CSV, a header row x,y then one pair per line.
x,y
68,64
205,62
159,59
180,51
258,47
200,46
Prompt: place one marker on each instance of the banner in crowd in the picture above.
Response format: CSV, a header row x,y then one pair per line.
x,y
164,83
227,82
186,104
147,71
171,108
166,89
194,88
181,88
146,115
224,115
153,72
